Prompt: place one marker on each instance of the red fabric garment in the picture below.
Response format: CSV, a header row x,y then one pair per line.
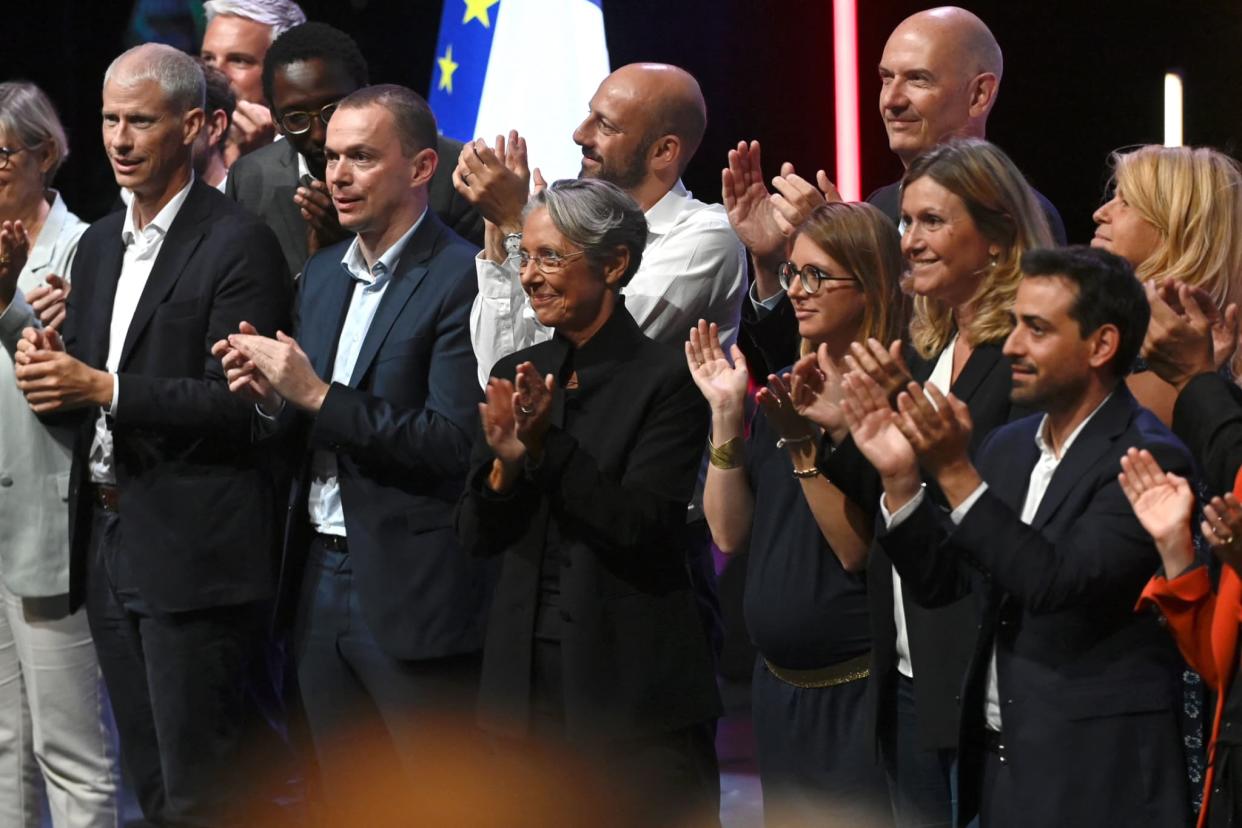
x,y
1205,626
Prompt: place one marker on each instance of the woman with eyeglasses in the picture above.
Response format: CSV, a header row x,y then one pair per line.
x,y
589,454
51,696
805,600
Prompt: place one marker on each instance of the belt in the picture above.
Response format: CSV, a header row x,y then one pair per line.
x,y
106,497
334,543
854,669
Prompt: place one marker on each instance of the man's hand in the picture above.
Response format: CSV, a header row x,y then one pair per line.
x,y
284,366
796,198
1187,335
323,227
815,390
874,428
495,180
242,376
746,200
54,381
14,249
1163,503
252,128
48,300
939,430
532,403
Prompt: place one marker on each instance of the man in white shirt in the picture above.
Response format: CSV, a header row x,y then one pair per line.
x,y
1069,706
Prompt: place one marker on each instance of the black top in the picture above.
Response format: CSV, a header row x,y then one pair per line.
x,y
1231,716
803,610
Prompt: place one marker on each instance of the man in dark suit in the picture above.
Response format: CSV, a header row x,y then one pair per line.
x,y
1069,705
380,392
172,511
306,73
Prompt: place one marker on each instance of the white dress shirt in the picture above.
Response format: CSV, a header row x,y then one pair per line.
x,y
1041,478
693,268
327,514
142,248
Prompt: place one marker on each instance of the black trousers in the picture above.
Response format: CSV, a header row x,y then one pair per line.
x,y
177,685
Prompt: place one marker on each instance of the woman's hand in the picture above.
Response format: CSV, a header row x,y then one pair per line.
x,y
1223,529
499,424
723,384
779,409
885,366
532,408
1163,503
815,389
14,248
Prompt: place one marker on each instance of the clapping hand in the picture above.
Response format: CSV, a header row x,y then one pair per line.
x,y
796,198
816,393
885,366
723,384
1187,334
49,300
749,205
496,180
532,404
1222,526
1163,503
283,365
243,377
14,249
873,425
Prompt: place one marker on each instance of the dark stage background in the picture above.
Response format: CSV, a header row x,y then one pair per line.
x,y
1082,77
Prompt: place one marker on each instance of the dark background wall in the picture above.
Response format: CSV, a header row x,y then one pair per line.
x,y
1081,78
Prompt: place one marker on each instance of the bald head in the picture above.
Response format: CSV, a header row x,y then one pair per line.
x,y
940,73
179,76
674,102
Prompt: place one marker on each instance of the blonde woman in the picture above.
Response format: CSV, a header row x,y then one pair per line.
x,y
1176,215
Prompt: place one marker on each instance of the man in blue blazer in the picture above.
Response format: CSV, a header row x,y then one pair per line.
x,y
380,394
1069,707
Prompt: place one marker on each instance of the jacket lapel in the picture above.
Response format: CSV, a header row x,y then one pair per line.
x,y
178,246
411,269
1098,439
984,359
333,306
287,184
109,273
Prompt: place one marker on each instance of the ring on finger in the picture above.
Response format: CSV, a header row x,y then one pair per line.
x,y
526,410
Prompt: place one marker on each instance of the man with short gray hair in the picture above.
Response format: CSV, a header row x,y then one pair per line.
x,y
235,42
171,508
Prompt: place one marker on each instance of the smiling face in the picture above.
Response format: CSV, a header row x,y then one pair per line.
x,y
833,313
308,86
575,300
236,46
1051,359
614,135
925,94
148,142
947,255
21,182
1122,230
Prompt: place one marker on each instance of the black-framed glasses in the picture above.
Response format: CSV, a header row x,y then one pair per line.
x,y
297,121
550,262
810,276
8,152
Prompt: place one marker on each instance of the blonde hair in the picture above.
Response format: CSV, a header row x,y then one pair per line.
x,y
1193,197
863,240
1006,212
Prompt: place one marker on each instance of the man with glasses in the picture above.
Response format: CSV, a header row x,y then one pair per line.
x,y
379,400
306,73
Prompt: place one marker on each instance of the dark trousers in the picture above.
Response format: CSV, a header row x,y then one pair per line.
x,y
360,702
919,780
177,685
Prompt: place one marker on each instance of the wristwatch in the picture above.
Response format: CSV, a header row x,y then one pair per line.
x,y
513,244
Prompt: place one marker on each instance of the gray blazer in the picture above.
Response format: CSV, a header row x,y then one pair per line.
x,y
265,180
34,458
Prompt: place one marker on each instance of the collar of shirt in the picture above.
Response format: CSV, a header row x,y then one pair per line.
x,y
615,341
41,254
1045,445
356,265
663,214
303,168
157,227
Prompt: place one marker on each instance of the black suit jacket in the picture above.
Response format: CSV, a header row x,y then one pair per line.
x,y
1089,689
1208,417
401,429
265,180
619,468
197,500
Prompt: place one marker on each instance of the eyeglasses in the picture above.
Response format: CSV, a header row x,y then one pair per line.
x,y
810,276
547,262
6,152
297,122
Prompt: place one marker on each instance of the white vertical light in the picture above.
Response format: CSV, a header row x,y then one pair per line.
x,y
1172,109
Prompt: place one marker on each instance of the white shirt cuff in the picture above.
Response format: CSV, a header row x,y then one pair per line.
x,y
895,519
496,281
959,514
116,394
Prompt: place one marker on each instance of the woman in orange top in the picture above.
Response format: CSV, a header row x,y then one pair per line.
x,y
1204,620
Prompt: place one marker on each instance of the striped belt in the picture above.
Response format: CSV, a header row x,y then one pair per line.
x,y
854,669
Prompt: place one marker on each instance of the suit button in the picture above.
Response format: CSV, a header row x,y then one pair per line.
x,y
566,617
1008,701
1004,761
6,481
957,699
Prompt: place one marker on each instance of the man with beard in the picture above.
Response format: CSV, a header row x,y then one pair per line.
x,y
645,123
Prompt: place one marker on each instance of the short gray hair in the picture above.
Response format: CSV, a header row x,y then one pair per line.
x,y
28,118
598,216
178,74
281,15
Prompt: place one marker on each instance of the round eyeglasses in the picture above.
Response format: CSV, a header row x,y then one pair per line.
x,y
297,122
550,262
810,276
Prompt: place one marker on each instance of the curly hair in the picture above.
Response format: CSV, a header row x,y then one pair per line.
x,y
312,41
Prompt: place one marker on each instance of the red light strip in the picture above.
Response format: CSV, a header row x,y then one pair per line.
x,y
845,71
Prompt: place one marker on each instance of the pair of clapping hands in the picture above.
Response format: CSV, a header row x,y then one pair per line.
x,y
48,299
1188,334
270,372
897,424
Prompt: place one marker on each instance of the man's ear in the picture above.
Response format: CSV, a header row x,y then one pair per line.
x,y
983,91
423,166
1105,340
192,123
218,126
665,152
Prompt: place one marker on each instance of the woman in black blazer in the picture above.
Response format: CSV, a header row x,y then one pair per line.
x,y
590,449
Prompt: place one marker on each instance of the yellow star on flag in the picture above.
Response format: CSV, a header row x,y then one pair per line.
x,y
447,68
477,10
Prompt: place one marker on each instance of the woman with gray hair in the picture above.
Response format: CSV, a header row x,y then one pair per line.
x,y
590,449
51,695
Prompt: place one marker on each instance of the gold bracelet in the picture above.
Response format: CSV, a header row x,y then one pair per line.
x,y
803,474
726,456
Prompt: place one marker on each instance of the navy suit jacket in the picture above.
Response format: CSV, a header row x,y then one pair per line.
x,y
198,514
401,429
1088,689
